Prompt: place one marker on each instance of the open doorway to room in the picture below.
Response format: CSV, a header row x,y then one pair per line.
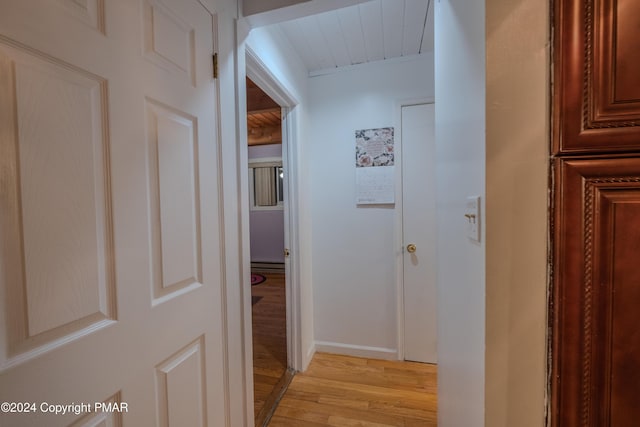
x,y
486,299
271,373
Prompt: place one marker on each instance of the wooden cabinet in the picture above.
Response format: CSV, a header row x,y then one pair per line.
x,y
595,303
596,325
597,76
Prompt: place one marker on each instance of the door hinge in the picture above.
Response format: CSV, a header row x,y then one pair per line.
x,y
215,65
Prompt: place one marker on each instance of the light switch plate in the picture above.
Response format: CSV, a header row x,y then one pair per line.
x,y
472,218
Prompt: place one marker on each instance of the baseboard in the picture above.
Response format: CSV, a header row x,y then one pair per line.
x,y
356,350
309,357
268,267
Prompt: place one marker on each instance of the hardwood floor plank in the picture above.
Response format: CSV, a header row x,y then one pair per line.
x,y
350,422
327,410
347,391
269,343
364,391
279,421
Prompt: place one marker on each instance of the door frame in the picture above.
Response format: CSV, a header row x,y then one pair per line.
x,y
398,222
258,71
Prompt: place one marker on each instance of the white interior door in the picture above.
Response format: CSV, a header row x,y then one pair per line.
x,y
110,255
419,232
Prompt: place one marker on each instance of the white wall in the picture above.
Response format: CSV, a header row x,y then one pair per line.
x,y
517,159
460,156
492,316
353,247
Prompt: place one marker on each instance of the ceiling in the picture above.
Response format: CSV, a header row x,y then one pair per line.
x,y
263,117
367,32
370,31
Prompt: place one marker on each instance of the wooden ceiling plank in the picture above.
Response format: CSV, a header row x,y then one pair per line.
x,y
264,135
371,18
318,43
252,143
273,110
415,14
428,44
332,32
293,31
264,125
354,37
263,119
392,23
258,100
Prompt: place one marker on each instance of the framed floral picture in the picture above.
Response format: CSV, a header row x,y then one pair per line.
x,y
374,147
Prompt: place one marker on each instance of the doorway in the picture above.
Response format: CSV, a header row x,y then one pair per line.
x,y
271,372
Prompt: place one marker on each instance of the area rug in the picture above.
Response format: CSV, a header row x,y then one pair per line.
x,y
256,279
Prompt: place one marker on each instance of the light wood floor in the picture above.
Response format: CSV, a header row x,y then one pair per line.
x,y
269,342
350,391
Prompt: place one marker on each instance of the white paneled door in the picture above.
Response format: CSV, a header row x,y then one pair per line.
x,y
419,232
110,254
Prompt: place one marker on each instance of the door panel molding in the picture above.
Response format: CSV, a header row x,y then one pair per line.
x,y
595,341
180,389
174,195
596,103
64,184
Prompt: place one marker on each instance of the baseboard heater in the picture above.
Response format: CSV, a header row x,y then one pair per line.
x,y
268,266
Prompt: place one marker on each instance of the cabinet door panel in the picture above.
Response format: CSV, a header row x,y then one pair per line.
x,y
597,96
596,339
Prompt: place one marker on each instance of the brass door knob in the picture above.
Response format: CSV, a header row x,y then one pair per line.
x,y
411,248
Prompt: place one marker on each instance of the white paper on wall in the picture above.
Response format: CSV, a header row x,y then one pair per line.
x,y
375,185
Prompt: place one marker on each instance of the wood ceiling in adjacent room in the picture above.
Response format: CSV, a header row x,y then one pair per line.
x,y
264,125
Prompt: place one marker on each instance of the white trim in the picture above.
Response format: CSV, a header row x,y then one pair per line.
x,y
228,343
399,244
292,263
242,209
257,162
310,352
356,350
260,74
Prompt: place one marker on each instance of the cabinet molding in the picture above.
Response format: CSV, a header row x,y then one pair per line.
x,y
596,91
596,341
